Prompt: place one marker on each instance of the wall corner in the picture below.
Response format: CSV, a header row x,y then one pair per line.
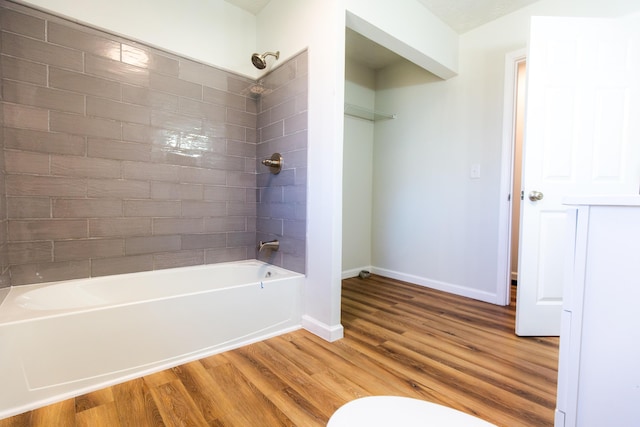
x,y
329,333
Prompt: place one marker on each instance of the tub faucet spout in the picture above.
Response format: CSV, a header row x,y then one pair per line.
x,y
274,245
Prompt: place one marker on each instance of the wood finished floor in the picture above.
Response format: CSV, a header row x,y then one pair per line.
x,y
400,339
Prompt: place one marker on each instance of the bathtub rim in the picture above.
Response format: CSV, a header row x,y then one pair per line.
x,y
20,314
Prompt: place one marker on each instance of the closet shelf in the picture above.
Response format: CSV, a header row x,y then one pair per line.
x,y
365,113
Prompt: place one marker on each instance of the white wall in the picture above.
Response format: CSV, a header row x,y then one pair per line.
x,y
433,224
422,217
357,171
211,31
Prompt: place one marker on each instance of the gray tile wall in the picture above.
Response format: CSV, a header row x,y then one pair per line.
x,y
123,158
5,279
282,127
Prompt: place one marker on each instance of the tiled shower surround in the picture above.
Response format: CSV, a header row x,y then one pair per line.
x,y
121,158
5,279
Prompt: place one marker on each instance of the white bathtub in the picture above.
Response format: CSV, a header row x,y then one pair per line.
x,y
63,339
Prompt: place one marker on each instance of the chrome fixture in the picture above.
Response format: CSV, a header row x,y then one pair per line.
x,y
273,245
274,163
260,61
536,196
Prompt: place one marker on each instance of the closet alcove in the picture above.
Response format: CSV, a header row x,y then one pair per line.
x,y
370,125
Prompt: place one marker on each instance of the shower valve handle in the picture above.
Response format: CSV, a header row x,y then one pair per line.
x,y
269,162
274,163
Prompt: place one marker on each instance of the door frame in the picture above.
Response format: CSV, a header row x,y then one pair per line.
x,y
512,59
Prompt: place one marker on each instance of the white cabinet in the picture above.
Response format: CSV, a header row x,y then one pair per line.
x,y
599,365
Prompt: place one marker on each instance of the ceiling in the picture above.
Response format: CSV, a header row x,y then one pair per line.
x,y
465,15
460,15
252,6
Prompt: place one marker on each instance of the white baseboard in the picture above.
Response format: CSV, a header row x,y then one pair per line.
x,y
438,285
324,331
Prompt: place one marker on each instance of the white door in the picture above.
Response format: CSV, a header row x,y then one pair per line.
x,y
581,137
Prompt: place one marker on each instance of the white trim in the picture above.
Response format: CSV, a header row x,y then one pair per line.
x,y
503,290
324,331
438,285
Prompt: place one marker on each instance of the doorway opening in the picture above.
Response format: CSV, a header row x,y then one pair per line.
x,y
511,174
518,137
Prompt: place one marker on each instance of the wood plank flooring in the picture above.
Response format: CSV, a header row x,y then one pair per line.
x,y
400,339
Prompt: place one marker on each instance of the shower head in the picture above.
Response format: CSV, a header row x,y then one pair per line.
x,y
260,61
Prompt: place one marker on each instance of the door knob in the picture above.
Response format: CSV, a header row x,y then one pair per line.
x,y
535,196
